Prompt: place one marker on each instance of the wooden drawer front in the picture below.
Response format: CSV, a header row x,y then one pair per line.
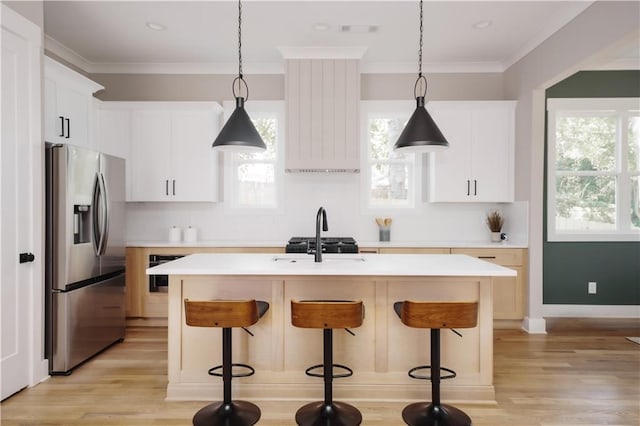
x,y
414,250
368,250
504,257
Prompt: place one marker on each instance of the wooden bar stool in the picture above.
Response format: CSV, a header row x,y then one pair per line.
x,y
226,314
327,314
436,315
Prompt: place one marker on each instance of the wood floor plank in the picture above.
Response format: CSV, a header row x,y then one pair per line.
x,y
583,372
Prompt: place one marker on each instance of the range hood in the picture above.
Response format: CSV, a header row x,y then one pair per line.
x,y
322,94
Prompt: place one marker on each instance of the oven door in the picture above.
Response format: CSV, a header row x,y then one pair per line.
x,y
160,283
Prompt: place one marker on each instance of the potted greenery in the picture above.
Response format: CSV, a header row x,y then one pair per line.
x,y
495,221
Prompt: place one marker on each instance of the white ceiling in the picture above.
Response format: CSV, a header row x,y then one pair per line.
x,y
201,36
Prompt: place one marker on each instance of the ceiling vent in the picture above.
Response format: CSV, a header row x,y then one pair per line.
x,y
358,29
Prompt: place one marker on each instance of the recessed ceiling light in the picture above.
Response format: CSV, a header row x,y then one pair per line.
x,y
156,26
480,25
321,26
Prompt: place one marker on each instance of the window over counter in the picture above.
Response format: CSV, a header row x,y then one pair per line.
x,y
254,181
390,179
593,169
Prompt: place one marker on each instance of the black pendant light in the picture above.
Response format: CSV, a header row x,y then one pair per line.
x,y
239,133
421,134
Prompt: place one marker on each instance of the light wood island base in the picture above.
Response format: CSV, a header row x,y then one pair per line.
x,y
380,353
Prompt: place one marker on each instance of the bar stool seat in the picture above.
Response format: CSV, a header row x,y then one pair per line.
x,y
435,315
327,315
226,314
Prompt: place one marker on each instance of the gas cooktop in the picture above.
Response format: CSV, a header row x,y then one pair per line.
x,y
329,245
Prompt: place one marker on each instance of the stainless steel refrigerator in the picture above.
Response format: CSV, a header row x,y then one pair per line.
x,y
85,254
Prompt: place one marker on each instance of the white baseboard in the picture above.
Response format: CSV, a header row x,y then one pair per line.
x,y
534,325
592,311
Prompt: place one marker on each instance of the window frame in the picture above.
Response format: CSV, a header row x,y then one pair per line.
x,y
394,108
255,108
622,109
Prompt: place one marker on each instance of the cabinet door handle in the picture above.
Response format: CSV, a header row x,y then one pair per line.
x,y
166,187
68,128
475,187
27,257
61,126
468,187
174,187
486,257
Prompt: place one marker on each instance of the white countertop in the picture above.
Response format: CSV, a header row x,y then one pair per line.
x,y
419,244
336,264
441,244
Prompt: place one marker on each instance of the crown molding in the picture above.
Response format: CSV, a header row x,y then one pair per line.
x,y
186,68
427,68
63,52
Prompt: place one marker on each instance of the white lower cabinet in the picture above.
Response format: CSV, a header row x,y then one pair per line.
x,y
169,148
478,166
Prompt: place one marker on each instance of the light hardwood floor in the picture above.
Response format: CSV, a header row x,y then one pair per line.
x,y
583,372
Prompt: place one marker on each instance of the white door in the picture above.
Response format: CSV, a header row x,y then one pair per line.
x,y
20,180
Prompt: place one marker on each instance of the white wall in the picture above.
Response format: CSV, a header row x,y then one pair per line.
x,y
583,42
304,193
340,195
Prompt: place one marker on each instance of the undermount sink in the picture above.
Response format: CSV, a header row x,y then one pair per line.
x,y
292,259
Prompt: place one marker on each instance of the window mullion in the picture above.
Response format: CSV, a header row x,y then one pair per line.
x,y
623,184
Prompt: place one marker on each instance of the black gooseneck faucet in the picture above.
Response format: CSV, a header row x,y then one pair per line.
x,y
321,214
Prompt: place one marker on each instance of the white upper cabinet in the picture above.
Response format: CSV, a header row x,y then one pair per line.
x,y
112,132
478,166
171,154
167,146
322,108
68,102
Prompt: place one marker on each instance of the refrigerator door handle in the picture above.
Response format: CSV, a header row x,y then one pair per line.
x,y
100,228
97,232
106,216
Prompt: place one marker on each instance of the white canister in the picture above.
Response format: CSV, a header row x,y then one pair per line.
x,y
175,234
190,235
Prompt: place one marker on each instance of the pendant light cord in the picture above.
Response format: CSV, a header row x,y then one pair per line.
x,y
420,51
240,39
421,78
240,78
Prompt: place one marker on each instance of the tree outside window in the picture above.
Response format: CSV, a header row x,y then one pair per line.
x,y
253,180
389,178
593,169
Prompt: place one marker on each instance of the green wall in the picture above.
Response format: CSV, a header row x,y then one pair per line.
x,y
569,266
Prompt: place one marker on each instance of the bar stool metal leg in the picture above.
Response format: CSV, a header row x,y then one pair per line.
x,y
434,413
227,412
328,412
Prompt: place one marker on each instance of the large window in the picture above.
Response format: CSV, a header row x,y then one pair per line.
x,y
254,180
593,169
389,178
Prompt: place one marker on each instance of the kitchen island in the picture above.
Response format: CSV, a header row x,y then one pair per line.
x,y
380,353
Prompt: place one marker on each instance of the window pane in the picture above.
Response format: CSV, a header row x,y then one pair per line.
x,y
389,184
383,133
585,203
635,202
256,185
634,143
586,143
267,127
